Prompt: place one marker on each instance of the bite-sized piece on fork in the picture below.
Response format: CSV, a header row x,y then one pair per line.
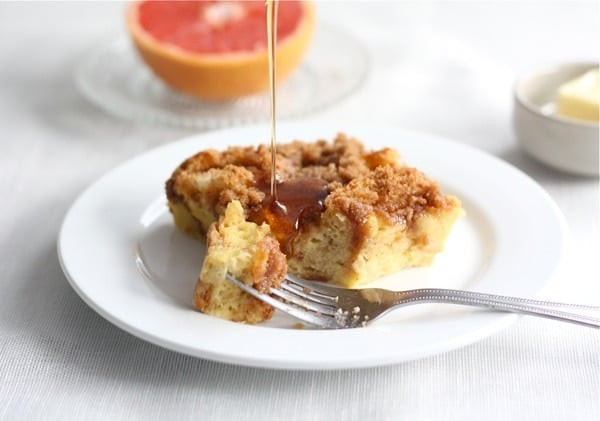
x,y
332,307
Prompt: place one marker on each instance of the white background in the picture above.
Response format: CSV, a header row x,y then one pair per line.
x,y
442,67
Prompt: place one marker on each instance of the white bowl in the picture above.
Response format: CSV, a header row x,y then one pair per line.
x,y
566,144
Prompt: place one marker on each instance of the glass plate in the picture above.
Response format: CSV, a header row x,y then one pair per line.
x,y
114,78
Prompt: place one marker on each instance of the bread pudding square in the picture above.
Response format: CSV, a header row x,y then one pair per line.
x,y
379,215
248,252
390,219
202,186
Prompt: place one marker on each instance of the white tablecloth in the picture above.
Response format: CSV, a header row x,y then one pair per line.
x,y
445,68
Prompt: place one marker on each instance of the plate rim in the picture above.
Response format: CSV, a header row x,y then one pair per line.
x,y
498,322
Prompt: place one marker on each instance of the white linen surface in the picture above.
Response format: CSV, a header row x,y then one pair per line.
x,y
442,67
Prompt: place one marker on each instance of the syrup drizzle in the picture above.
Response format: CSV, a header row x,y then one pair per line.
x,y
272,7
301,202
294,202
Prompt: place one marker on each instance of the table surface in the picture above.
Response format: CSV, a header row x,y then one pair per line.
x,y
442,67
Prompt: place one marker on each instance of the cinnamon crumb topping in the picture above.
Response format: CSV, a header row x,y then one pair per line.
x,y
399,194
235,172
270,266
360,182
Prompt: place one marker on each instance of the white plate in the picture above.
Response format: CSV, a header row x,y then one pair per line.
x,y
121,253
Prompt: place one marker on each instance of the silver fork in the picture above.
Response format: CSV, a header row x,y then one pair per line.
x,y
332,307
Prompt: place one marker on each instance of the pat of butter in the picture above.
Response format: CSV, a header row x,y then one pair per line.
x,y
579,97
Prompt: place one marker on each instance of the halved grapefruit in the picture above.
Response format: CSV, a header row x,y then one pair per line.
x,y
218,49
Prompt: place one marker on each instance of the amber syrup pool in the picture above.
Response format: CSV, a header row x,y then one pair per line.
x,y
293,203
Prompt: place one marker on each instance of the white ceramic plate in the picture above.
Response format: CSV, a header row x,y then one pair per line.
x,y
121,253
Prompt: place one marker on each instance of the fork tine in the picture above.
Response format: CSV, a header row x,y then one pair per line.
x,y
326,291
304,315
307,293
292,296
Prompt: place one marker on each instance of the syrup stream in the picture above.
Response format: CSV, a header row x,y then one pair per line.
x,y
302,200
272,6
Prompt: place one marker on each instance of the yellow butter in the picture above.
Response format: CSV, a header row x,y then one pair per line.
x,y
579,97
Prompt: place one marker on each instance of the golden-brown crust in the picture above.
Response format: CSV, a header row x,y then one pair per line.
x,y
248,252
360,182
238,173
270,265
398,194
242,168
172,195
377,215
202,294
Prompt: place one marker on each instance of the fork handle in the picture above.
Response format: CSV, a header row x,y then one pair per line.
x,y
546,309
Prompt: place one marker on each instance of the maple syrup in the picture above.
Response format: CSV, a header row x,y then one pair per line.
x,y
291,203
272,7
300,202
